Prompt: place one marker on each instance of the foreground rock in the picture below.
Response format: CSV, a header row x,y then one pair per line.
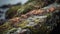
x,y
40,21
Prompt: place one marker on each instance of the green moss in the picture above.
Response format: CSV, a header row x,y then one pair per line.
x,y
23,24
12,11
25,8
5,27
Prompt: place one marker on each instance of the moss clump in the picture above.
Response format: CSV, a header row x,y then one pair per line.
x,y
5,27
12,12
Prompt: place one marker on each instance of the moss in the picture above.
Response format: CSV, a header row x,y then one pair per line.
x,y
36,20
23,24
12,11
25,8
5,27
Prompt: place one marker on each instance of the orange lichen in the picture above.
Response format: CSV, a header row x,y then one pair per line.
x,y
36,12
33,12
14,20
23,16
51,9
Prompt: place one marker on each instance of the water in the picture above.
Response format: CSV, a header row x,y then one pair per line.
x,y
2,13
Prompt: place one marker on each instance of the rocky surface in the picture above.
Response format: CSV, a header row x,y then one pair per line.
x,y
37,21
40,21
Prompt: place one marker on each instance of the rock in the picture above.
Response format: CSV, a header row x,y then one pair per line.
x,y
40,21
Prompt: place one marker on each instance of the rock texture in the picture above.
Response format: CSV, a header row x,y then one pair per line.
x,y
41,21
44,20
